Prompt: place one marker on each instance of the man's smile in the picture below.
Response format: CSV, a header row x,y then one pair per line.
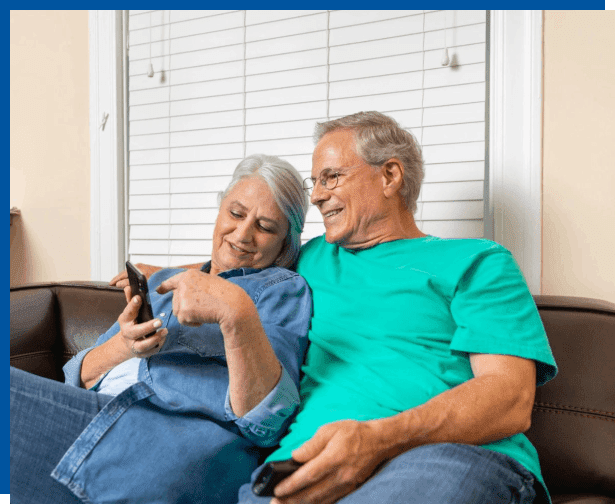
x,y
330,213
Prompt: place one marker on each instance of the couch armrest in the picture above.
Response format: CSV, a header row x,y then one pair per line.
x,y
573,422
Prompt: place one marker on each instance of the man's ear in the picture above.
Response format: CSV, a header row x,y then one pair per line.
x,y
392,177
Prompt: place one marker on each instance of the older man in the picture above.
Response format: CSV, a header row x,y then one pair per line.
x,y
425,352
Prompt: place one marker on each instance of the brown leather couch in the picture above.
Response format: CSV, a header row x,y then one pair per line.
x,y
573,425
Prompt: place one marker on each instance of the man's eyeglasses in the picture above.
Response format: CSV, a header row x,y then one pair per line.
x,y
328,179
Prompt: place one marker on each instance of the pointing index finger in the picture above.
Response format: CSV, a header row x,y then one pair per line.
x,y
166,286
169,284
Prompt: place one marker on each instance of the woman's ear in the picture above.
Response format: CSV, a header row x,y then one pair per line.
x,y
392,177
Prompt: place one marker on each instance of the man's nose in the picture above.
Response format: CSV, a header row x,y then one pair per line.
x,y
319,193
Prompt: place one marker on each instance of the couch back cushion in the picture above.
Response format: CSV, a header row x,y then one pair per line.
x,y
52,322
573,423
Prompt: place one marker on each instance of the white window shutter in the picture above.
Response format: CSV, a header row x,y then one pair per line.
x,y
228,84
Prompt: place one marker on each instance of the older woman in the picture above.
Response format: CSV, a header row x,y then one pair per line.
x,y
176,416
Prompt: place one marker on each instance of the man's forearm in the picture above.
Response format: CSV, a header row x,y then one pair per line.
x,y
479,411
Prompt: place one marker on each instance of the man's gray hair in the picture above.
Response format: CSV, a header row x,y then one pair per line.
x,y
379,138
286,187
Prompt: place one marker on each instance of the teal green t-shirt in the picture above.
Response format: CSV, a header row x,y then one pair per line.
x,y
393,325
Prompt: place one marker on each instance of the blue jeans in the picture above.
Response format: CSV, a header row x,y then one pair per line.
x,y
439,474
46,417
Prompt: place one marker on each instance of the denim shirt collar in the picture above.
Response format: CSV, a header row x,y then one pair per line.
x,y
231,273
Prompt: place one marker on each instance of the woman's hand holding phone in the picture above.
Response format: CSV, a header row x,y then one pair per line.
x,y
139,339
132,340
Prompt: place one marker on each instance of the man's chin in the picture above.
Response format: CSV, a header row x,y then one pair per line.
x,y
332,238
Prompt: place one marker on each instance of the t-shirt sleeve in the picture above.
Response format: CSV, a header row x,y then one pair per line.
x,y
496,314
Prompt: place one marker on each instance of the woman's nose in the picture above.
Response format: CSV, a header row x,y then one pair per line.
x,y
245,232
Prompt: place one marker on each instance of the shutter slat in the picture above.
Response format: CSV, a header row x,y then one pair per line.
x,y
286,129
285,79
145,232
286,45
149,202
293,111
147,172
292,26
456,133
192,231
343,18
191,247
472,151
385,65
376,30
218,168
194,201
452,191
206,137
210,120
266,16
149,186
407,44
199,184
285,62
454,172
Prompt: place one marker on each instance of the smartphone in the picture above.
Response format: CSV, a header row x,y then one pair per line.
x,y
271,474
138,287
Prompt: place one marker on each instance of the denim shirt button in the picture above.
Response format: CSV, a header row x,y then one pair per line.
x,y
162,314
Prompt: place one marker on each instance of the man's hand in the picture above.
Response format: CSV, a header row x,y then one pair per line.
x,y
337,460
121,279
495,404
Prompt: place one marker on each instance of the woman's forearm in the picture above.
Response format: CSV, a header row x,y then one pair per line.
x,y
254,369
101,359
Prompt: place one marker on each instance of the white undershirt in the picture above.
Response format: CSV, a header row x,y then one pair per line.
x,y
120,377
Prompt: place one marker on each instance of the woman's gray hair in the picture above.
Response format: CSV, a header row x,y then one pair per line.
x,y
286,187
379,138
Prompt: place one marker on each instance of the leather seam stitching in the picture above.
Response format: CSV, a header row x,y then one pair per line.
x,y
575,413
574,408
31,354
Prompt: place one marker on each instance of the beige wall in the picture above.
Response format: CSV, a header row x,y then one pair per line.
x,y
50,148
579,154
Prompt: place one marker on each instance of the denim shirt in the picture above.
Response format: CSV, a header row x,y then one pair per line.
x,y
172,436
